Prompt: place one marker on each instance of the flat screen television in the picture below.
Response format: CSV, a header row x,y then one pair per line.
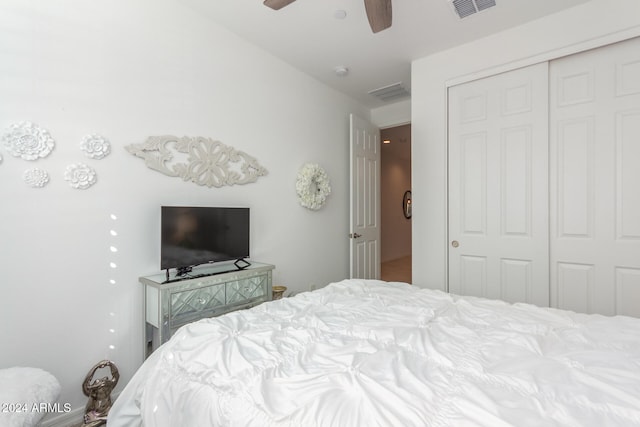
x,y
191,236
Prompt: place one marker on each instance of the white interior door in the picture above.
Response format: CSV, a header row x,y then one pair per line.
x,y
498,187
595,180
365,200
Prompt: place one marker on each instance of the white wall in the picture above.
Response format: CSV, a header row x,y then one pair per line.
x,y
128,70
398,113
582,27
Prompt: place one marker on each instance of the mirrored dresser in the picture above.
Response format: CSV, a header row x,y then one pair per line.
x,y
206,292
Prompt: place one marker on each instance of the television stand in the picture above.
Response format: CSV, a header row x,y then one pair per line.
x,y
212,291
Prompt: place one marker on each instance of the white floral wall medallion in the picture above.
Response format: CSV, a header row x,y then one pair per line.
x,y
95,146
36,177
312,186
28,141
200,160
80,176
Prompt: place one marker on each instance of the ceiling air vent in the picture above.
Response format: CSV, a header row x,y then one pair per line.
x,y
391,92
465,8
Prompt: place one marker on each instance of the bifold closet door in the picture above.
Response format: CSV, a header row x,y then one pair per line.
x,y
498,187
595,180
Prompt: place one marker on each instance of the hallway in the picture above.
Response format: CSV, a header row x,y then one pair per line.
x,y
396,270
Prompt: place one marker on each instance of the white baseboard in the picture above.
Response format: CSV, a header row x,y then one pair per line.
x,y
74,418
69,419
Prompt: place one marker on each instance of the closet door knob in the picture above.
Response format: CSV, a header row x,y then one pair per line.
x,y
455,243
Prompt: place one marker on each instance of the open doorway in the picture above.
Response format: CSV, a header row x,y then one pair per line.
x,y
395,212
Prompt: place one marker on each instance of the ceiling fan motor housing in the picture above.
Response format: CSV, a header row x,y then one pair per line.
x,y
378,12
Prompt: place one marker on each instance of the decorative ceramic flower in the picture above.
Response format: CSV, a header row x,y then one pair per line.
x,y
312,186
80,176
28,141
95,146
35,177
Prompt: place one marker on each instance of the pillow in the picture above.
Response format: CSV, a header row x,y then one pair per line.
x,y
21,389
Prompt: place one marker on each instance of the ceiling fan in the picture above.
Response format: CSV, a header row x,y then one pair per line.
x,y
378,11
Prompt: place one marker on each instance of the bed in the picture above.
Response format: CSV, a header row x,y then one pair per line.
x,y
372,353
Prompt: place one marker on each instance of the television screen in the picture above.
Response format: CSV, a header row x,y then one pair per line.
x,y
192,236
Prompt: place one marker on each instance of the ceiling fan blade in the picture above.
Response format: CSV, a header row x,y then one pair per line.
x,y
277,4
379,14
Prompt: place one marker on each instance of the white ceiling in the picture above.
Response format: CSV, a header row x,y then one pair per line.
x,y
307,35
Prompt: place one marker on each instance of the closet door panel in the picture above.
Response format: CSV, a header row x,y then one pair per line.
x,y
575,181
498,187
594,180
473,184
576,291
519,275
628,77
628,175
515,180
627,291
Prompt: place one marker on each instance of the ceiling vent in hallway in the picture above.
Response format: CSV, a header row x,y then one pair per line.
x,y
464,8
391,93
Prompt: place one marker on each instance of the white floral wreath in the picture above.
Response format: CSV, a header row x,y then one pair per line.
x,y
312,186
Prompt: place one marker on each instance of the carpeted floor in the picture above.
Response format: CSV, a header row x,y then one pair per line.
x,y
396,270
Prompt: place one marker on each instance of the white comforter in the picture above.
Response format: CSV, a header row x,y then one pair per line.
x,y
370,353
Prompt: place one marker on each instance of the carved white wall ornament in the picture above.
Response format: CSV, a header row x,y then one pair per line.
x,y
95,146
80,176
28,141
35,177
208,162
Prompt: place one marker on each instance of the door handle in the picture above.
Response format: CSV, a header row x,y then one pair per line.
x,y
355,235
455,243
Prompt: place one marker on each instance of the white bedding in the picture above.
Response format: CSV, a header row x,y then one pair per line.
x,y
370,353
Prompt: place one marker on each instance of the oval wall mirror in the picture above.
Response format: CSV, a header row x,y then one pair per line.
x,y
406,204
